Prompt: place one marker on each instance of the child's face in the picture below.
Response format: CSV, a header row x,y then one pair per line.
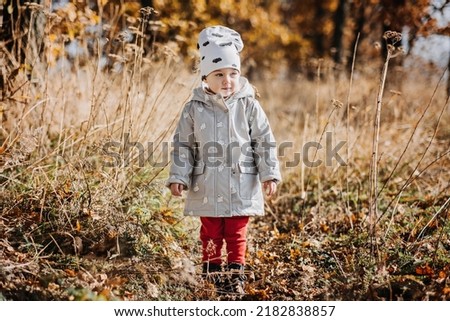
x,y
223,81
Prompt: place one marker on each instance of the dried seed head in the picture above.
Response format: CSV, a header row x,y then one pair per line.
x,y
169,52
124,36
336,103
395,51
392,37
147,12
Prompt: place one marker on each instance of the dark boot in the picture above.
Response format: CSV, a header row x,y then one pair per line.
x,y
212,273
236,279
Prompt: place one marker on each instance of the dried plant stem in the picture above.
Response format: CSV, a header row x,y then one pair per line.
x,y
391,174
373,197
318,127
347,133
391,221
411,177
443,208
391,38
15,135
339,264
335,106
302,164
317,105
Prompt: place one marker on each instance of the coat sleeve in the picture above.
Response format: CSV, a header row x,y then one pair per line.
x,y
263,144
183,150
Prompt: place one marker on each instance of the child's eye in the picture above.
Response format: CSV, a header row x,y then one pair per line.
x,y
219,75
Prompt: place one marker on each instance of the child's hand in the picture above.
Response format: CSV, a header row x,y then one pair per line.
x,y
270,187
176,189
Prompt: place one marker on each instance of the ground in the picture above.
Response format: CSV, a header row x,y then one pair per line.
x,y
291,256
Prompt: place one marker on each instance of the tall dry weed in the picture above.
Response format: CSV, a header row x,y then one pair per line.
x,y
79,144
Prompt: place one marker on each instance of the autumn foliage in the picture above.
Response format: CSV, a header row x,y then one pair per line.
x,y
88,85
279,35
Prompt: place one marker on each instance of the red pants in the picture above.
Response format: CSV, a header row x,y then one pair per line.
x,y
215,230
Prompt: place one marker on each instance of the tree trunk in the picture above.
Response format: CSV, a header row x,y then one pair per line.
x,y
340,18
360,22
146,3
318,38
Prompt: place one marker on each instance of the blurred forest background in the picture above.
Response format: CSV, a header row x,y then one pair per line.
x,y
91,92
284,37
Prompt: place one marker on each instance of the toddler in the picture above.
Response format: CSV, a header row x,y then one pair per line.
x,y
224,150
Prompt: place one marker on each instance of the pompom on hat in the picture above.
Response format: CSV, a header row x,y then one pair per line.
x,y
219,48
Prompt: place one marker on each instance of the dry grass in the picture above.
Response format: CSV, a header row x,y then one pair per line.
x,y
67,215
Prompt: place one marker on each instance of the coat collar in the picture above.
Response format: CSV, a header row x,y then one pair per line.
x,y
201,94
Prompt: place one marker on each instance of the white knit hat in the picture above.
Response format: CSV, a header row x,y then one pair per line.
x,y
219,48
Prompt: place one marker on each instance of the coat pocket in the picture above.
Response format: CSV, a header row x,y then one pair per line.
x,y
248,181
198,181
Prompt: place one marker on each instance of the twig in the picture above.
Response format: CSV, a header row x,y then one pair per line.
x,y
319,194
57,245
443,207
411,177
347,171
413,132
442,228
373,199
339,264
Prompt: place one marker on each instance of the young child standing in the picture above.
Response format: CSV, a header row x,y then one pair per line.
x,y
224,149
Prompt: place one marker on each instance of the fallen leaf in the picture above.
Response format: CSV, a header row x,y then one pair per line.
x,y
424,270
70,272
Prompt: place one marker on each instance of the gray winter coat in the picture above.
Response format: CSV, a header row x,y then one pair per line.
x,y
223,150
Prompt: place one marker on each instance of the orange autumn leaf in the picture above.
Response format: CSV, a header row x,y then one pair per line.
x,y
70,272
116,281
106,293
424,270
